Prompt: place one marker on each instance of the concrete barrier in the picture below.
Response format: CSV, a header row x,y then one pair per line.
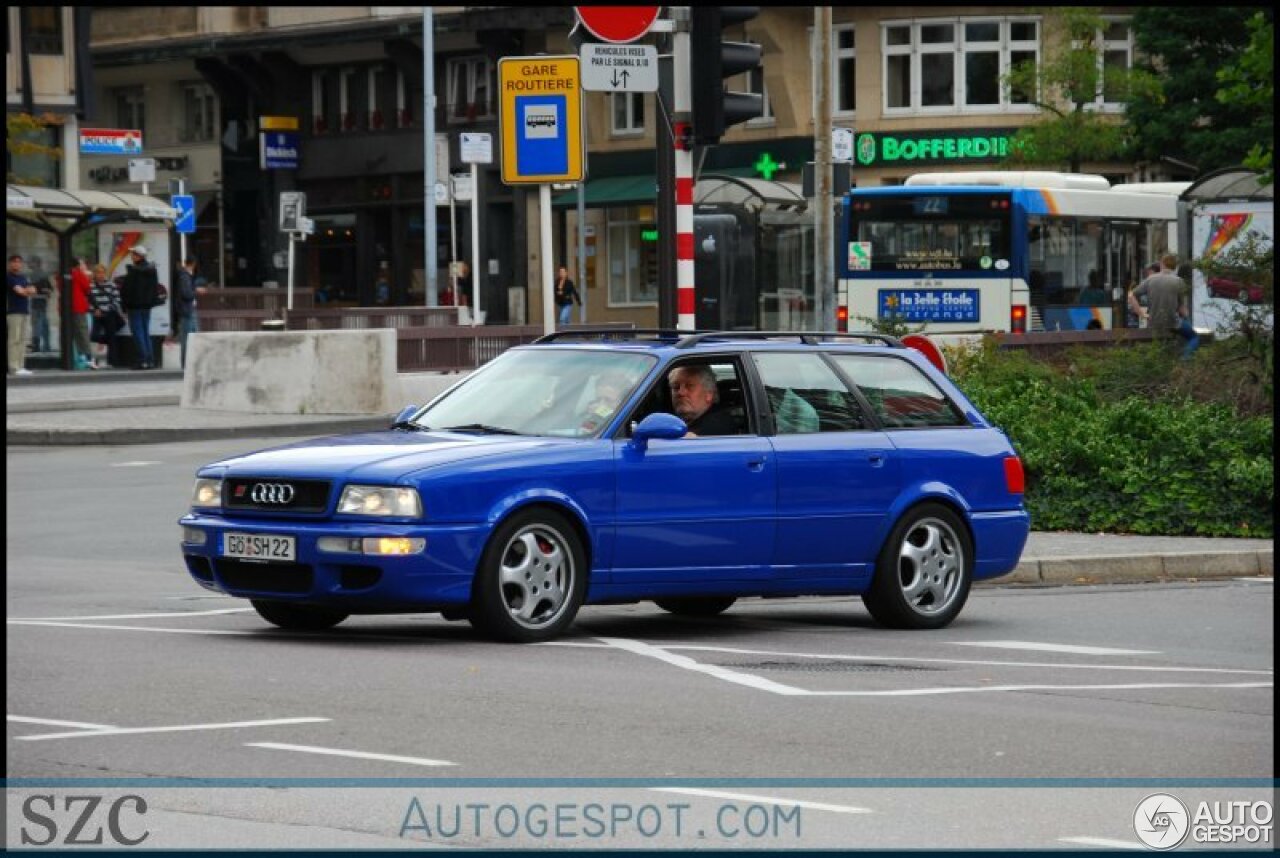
x,y
293,372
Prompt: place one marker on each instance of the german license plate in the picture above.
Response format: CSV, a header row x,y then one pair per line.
x,y
259,546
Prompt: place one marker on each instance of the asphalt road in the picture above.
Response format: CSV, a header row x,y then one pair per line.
x,y
1040,719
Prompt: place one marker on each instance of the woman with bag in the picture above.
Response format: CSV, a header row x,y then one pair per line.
x,y
108,317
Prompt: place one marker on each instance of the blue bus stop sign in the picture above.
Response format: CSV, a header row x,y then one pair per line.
x,y
186,206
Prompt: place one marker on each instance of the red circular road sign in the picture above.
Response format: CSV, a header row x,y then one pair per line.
x,y
617,24
925,346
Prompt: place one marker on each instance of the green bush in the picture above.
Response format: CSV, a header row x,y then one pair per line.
x,y
1109,443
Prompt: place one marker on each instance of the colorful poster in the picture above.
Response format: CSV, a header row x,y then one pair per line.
x,y
115,241
1215,229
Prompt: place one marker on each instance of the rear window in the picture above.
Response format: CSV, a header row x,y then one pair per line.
x,y
901,395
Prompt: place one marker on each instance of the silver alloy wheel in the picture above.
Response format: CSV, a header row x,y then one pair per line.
x,y
931,566
536,575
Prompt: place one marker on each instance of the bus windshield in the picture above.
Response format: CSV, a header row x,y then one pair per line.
x,y
933,231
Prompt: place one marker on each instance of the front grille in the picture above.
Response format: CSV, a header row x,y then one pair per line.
x,y
265,577
308,495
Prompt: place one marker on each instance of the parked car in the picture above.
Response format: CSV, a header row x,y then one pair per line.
x,y
1225,287
559,475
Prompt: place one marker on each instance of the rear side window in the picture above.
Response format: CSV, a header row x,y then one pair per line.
x,y
900,394
806,395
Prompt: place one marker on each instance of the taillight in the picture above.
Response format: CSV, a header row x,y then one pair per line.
x,y
1018,319
842,319
1014,479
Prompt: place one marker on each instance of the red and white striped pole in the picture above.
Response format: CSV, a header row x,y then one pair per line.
x,y
682,124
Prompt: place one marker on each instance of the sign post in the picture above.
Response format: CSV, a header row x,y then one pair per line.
x,y
543,141
293,207
476,149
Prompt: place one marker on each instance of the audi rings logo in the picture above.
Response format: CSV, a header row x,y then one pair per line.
x,y
272,493
1161,821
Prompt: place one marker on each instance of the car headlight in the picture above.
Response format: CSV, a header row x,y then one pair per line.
x,y
380,500
207,493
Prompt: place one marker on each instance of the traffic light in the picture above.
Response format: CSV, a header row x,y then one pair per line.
x,y
712,61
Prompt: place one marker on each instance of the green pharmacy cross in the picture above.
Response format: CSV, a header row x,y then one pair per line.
x,y
766,166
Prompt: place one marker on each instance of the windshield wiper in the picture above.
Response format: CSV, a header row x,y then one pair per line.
x,y
409,424
483,429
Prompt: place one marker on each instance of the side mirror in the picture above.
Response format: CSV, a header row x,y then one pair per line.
x,y
405,413
667,427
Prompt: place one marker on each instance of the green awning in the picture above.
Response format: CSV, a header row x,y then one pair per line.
x,y
612,191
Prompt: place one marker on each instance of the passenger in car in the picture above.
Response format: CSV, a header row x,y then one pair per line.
x,y
696,399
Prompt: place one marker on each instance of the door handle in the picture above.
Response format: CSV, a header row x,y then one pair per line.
x,y
755,464
876,460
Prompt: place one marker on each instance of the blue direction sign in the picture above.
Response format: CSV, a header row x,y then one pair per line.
x,y
279,150
186,206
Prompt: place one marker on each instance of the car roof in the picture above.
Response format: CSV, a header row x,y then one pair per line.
x,y
669,339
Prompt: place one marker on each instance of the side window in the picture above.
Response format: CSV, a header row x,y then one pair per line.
x,y
900,394
805,395
710,399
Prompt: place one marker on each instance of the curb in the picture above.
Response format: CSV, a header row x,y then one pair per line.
x,y
145,401
1138,568
123,437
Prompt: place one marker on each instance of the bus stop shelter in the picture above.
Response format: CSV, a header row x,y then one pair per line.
x,y
66,213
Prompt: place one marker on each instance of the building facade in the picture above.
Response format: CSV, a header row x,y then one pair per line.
x,y
920,87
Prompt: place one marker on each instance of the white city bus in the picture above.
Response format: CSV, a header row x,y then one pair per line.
x,y
1000,251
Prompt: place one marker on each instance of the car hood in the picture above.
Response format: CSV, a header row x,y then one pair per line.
x,y
378,456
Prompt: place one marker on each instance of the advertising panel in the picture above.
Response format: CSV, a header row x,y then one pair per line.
x,y
1215,229
114,243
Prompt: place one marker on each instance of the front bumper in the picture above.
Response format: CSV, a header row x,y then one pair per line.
x,y
440,576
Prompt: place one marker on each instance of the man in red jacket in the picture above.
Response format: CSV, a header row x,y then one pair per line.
x,y
81,283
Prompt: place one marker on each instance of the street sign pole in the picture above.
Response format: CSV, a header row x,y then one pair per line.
x,y
548,273
475,243
681,119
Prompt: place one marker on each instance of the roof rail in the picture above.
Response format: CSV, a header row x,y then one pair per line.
x,y
670,334
809,338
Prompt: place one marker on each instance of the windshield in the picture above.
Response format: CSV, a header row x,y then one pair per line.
x,y
571,393
933,232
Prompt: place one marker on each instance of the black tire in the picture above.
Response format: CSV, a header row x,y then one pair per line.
x,y
924,570
298,618
532,578
696,606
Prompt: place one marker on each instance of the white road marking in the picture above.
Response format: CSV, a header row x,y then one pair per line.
x,y
1104,842
687,663
1258,580
50,722
960,661
764,799
1142,686
149,616
1050,647
131,628
179,728
359,755
136,464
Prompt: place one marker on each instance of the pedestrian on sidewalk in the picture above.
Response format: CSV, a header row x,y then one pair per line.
x,y
566,295
18,315
41,340
81,283
1169,310
190,287
138,295
108,315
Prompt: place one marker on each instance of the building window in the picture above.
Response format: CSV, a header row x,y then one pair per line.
x,y
325,109
470,92
44,29
753,82
633,257
353,98
1115,58
385,94
131,108
954,65
199,112
846,70
628,112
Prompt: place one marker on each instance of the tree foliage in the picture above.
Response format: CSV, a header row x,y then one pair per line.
x,y
1249,83
1183,116
26,142
1065,84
